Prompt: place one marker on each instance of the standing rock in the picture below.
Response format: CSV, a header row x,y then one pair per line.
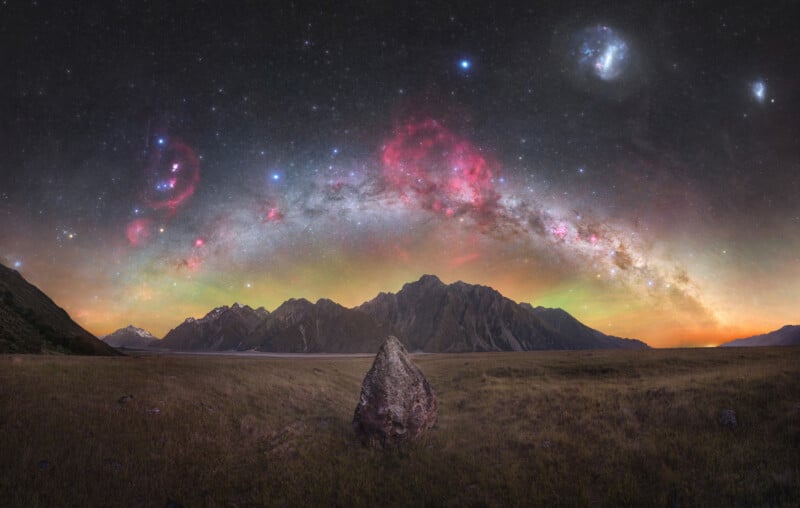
x,y
397,403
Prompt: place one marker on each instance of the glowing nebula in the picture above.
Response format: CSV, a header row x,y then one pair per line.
x,y
173,175
138,231
441,171
759,91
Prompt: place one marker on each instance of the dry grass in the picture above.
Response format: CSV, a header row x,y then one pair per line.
x,y
622,428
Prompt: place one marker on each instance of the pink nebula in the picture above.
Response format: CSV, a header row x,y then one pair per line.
x,y
138,231
179,167
445,173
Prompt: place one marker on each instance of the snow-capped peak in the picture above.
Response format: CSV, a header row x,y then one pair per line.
x,y
138,331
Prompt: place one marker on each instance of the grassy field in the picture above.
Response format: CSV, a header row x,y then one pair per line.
x,y
616,428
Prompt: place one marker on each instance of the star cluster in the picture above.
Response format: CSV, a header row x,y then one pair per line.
x,y
635,165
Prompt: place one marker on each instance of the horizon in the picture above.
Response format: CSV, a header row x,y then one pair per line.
x,y
678,344
633,164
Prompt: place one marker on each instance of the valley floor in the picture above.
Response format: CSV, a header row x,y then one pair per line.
x,y
610,428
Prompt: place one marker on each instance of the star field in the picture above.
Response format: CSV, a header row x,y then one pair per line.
x,y
636,164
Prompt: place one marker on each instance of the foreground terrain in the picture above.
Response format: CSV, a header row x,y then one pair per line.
x,y
634,428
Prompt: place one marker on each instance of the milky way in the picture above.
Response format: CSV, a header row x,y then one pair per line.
x,y
635,165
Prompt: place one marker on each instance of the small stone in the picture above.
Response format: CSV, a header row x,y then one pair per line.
x,y
397,403
154,411
727,419
125,399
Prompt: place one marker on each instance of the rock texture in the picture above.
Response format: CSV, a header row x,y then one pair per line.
x,y
299,326
397,403
30,322
789,335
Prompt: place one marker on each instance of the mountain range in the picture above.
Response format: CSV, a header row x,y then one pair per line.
x,y
789,335
426,315
30,322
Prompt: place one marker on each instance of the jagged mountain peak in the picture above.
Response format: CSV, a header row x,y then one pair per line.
x,y
426,281
223,328
130,337
292,305
328,303
136,330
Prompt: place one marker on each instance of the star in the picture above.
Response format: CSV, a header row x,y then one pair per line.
x,y
464,64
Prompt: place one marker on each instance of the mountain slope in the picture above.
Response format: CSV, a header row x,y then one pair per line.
x,y
221,329
299,326
429,315
30,322
789,335
129,337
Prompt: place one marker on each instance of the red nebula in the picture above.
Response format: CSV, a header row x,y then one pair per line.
x,y
194,263
466,258
270,211
138,231
446,173
199,242
172,176
560,231
273,215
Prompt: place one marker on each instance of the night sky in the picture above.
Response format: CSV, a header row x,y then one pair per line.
x,y
635,164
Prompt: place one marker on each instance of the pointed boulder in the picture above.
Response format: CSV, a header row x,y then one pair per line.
x,y
397,403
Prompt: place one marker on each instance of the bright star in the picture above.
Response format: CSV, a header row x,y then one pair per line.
x,y
17,264
162,141
465,64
